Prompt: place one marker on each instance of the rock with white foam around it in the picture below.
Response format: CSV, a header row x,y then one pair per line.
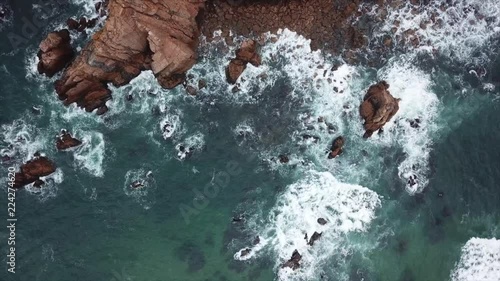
x,y
33,170
336,148
293,262
55,53
378,107
247,53
66,141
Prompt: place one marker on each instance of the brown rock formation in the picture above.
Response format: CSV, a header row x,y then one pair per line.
x,y
293,262
325,22
66,141
378,107
55,53
247,53
33,170
336,149
138,35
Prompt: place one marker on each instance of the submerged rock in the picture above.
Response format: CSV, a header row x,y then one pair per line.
x,y
33,170
378,107
66,141
293,262
55,53
336,148
247,53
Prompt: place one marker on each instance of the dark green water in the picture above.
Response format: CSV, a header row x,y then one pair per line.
x,y
87,224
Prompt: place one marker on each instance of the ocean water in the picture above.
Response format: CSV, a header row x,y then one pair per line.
x,y
195,214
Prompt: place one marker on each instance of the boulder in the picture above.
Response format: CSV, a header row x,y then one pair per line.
x,y
378,107
322,221
66,141
336,148
245,252
55,53
314,238
293,262
247,53
33,170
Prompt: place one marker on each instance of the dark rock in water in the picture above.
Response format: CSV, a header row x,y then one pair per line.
x,y
245,252
72,24
191,90
256,240
92,23
137,184
314,238
6,158
33,170
36,110
55,53
412,180
202,84
322,221
336,148
38,183
238,218
247,53
66,141
378,107
283,159
415,123
440,194
101,110
193,255
402,246
293,262
446,212
130,97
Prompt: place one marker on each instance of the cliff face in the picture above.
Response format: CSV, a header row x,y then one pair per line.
x,y
138,35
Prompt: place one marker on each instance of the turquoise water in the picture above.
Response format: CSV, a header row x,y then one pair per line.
x,y
87,224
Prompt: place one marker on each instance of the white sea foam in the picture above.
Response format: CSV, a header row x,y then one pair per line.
x,y
190,145
418,106
480,261
140,185
346,208
456,30
21,141
90,155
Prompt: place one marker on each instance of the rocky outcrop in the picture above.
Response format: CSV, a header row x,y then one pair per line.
x,y
65,141
33,170
314,238
247,53
138,35
55,53
294,261
336,148
326,22
378,107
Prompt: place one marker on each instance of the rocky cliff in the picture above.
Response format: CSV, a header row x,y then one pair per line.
x,y
138,35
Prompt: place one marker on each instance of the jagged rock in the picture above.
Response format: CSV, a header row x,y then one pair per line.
x,y
336,148
247,53
55,53
72,24
245,252
293,262
66,141
378,107
314,238
32,171
138,35
322,221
